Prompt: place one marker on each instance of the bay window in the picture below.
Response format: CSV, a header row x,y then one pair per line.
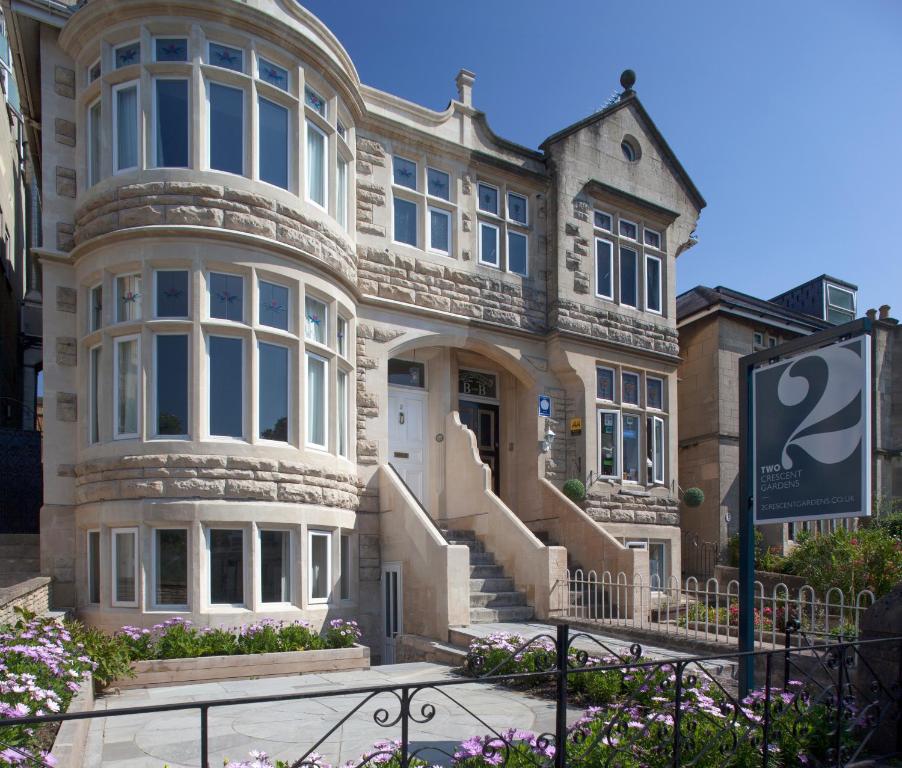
x,y
170,568
629,277
341,397
94,388
126,361
315,320
317,176
439,231
226,128
128,298
341,193
171,293
170,49
171,122
125,566
320,559
226,386
226,557
227,297
488,244
344,577
273,142
653,284
273,305
275,567
317,400
125,127
272,408
171,375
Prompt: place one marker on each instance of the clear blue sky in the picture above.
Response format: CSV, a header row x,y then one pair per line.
x,y
787,114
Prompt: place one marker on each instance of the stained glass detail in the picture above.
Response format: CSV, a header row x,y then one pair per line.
x,y
628,229
516,208
227,297
603,221
314,320
488,199
126,55
438,183
128,294
652,238
273,74
477,384
313,100
227,57
274,305
172,293
342,131
654,393
405,172
604,383
171,49
630,390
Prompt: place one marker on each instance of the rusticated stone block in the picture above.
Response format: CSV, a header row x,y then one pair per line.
x,y
248,198
65,131
250,489
253,225
300,494
141,489
194,216
260,465
142,216
64,236
189,488
66,350
65,181
65,470
193,188
66,299
105,491
66,406
64,82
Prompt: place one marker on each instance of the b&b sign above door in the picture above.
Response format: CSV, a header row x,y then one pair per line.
x,y
812,434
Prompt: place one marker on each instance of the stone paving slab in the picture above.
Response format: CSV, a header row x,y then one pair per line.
x,y
286,730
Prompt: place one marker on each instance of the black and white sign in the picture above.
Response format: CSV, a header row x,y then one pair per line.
x,y
811,434
544,405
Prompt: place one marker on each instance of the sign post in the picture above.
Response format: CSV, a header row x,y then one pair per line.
x,y
805,445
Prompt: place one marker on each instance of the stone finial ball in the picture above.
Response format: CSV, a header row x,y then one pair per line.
x,y
628,79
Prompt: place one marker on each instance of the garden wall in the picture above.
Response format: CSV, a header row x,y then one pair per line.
x,y
210,669
72,737
32,595
727,573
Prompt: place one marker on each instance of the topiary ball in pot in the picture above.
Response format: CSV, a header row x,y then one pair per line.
x,y
574,490
693,497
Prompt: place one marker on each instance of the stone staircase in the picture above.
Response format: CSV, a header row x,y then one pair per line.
x,y
493,597
20,557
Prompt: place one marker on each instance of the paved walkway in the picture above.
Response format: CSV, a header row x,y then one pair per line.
x,y
286,730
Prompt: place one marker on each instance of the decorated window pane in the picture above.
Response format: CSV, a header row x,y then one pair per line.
x,y
226,366
227,297
652,238
172,293
313,100
273,305
516,253
603,221
516,208
226,128
273,143
654,393
126,55
128,298
628,229
342,336
273,392
630,391
404,172
477,384
405,221
315,325
488,244
273,74
172,385
438,183
406,373
488,199
604,383
227,57
171,49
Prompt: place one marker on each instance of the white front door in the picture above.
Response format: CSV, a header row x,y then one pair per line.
x,y
406,437
392,604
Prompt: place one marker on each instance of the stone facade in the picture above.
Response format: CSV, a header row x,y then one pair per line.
x,y
627,506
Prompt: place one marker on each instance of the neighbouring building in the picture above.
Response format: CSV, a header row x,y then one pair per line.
x,y
717,326
292,319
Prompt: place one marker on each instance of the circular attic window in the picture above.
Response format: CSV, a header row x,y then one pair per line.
x,y
630,149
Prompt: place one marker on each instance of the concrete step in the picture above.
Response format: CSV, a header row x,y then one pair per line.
x,y
503,614
486,572
20,565
481,558
503,584
496,599
458,535
473,546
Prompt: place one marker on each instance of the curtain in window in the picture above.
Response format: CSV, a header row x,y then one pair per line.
x,y
316,166
127,127
316,401
127,384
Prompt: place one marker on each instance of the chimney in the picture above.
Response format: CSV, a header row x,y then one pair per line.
x,y
871,315
884,312
465,80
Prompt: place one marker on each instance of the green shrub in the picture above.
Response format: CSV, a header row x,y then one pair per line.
x,y
693,497
575,490
110,653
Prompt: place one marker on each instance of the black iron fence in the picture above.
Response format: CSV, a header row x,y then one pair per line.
x,y
834,705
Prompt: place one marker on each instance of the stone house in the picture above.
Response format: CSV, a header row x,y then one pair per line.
x,y
334,353
717,327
